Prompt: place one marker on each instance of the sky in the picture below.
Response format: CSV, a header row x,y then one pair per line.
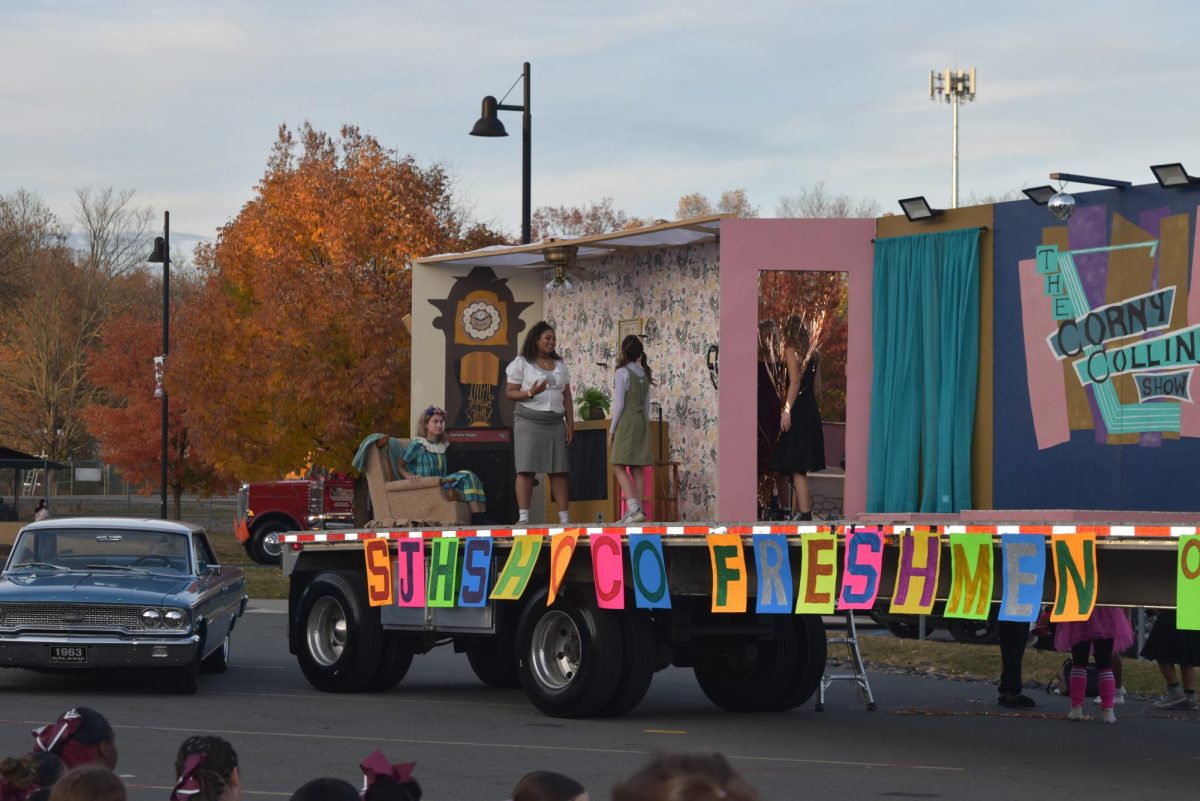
x,y
638,101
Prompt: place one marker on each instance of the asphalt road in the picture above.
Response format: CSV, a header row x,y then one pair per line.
x,y
930,738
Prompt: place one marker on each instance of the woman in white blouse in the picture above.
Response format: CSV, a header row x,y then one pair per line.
x,y
543,418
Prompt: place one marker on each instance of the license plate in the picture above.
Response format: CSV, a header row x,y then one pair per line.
x,y
68,654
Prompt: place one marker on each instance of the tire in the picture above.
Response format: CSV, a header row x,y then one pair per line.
x,y
813,650
637,668
750,673
980,632
185,679
340,636
494,661
900,626
568,654
264,546
395,658
218,660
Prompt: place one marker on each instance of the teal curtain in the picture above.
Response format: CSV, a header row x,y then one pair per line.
x,y
925,309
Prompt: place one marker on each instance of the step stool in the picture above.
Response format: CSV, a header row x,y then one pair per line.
x,y
859,676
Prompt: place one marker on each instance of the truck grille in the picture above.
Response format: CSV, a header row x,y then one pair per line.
x,y
70,617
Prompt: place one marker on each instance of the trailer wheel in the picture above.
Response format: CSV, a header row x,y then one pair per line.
x,y
981,632
637,668
747,673
569,654
813,650
264,545
494,661
395,658
340,633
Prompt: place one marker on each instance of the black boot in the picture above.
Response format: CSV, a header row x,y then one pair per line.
x,y
803,516
479,518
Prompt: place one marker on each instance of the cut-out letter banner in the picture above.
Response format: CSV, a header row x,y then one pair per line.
x,y
517,570
379,572
1075,576
1024,558
917,573
817,591
608,573
728,572
774,574
649,570
562,546
864,565
442,584
410,572
476,565
970,576
1187,584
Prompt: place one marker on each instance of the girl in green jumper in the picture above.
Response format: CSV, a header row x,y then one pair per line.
x,y
629,433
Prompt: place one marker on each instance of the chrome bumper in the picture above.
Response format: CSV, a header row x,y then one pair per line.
x,y
33,651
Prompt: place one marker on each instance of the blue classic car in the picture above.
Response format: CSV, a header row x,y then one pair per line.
x,y
109,592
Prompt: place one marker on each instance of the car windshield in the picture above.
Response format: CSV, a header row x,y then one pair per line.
x,y
96,549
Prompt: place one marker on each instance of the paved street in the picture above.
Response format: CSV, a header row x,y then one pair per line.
x,y
929,739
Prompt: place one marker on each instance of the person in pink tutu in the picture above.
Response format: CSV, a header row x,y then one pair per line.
x,y
1106,631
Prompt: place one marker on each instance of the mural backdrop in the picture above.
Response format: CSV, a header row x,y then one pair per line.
x,y
1097,335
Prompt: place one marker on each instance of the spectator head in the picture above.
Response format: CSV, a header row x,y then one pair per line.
x,y
685,777
89,783
542,785
206,769
326,790
47,769
383,781
41,504
81,736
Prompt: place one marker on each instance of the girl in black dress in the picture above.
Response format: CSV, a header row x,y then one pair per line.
x,y
801,447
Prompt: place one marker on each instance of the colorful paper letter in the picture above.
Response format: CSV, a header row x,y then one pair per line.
x,y
1075,573
1187,584
728,572
561,548
818,575
774,574
917,573
477,564
519,567
1024,558
649,570
864,565
410,572
443,571
607,571
970,576
379,572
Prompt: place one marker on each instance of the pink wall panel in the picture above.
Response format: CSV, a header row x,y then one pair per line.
x,y
1047,387
748,246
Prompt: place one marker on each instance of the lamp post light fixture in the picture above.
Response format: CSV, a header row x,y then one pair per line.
x,y
489,124
956,87
917,209
1173,176
1040,194
162,255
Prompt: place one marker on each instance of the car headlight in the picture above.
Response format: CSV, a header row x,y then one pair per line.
x,y
174,618
151,618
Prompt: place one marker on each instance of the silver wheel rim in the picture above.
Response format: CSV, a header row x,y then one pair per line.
x,y
555,650
271,544
225,650
326,631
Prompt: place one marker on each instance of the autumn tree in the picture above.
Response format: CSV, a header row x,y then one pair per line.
x,y
294,348
126,417
817,202
572,221
734,202
51,322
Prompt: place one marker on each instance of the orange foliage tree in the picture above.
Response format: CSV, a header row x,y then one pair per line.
x,y
294,348
127,418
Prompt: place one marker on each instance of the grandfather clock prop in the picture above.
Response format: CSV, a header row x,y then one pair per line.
x,y
481,322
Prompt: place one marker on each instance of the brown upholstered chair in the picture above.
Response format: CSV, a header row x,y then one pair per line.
x,y
409,503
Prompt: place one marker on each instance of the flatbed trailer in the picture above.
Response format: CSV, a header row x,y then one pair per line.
x,y
550,611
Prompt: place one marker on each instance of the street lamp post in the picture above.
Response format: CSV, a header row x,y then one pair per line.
x,y
489,124
162,255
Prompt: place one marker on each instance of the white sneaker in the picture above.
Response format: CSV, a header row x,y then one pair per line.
x,y
1118,699
633,516
1173,698
1110,716
1076,713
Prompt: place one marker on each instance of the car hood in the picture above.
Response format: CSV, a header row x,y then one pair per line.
x,y
91,587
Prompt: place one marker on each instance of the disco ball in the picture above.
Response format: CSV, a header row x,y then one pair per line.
x,y
1062,206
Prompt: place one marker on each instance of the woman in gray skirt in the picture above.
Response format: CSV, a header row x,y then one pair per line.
x,y
543,418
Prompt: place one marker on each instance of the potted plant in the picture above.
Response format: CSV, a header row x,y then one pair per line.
x,y
593,403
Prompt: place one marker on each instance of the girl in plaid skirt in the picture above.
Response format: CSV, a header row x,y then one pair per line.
x,y
425,456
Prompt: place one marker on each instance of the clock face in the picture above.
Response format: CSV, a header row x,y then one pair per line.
x,y
481,320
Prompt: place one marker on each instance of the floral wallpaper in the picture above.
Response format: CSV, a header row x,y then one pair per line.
x,y
675,293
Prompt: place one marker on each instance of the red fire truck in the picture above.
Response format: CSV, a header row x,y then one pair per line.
x,y
268,508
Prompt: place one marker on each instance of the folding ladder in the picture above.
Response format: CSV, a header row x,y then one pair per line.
x,y
859,676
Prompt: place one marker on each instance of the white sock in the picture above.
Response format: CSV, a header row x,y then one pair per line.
x,y
634,506
522,515
564,517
